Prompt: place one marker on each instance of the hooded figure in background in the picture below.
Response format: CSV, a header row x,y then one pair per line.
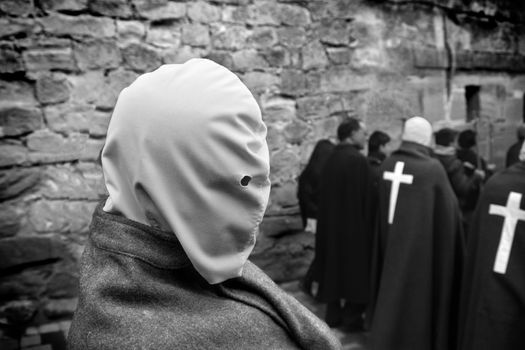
x,y
492,314
418,249
186,166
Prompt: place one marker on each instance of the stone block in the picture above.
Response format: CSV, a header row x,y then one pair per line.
x,y
285,166
334,32
10,220
325,128
292,36
275,136
16,181
339,55
293,82
10,60
12,154
45,141
97,54
79,26
274,226
30,340
49,59
92,149
16,121
223,58
87,88
183,54
314,56
292,15
230,37
61,215
63,283
332,9
286,258
234,14
66,182
260,81
164,12
17,26
200,11
67,118
195,34
164,36
61,5
130,31
111,8
296,131
259,13
21,250
140,58
19,312
114,82
49,147
52,88
277,109
344,79
277,57
17,92
246,60
20,8
262,37
57,308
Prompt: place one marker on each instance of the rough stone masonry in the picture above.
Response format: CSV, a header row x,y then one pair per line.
x,y
309,63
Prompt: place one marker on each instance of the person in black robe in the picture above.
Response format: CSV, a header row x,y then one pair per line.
x,y
418,249
492,314
466,183
308,195
513,152
344,229
309,180
377,143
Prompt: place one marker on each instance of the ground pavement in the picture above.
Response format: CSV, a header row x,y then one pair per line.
x,y
350,341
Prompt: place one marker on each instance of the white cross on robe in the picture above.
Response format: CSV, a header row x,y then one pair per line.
x,y
512,214
397,177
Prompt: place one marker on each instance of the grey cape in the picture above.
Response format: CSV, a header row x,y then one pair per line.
x,y
138,290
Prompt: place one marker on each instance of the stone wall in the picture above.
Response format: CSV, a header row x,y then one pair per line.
x,y
309,63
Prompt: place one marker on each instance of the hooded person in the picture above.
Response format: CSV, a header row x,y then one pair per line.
x,y
417,248
186,166
492,313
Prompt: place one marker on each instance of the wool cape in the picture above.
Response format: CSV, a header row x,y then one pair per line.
x,y
492,314
139,290
344,227
417,258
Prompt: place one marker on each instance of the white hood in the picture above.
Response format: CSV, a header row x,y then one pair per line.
x,y
179,142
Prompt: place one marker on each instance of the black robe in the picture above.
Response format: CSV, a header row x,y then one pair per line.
x,y
417,258
344,227
493,303
310,178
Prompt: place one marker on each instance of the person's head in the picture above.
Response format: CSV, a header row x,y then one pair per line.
x,y
520,132
445,137
186,152
377,142
418,130
467,139
352,130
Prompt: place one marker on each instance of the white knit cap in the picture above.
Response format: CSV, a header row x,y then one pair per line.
x,y
418,130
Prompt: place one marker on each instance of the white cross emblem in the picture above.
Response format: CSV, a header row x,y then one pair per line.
x,y
512,214
397,177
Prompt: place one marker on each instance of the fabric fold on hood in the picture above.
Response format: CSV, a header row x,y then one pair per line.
x,y
186,152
